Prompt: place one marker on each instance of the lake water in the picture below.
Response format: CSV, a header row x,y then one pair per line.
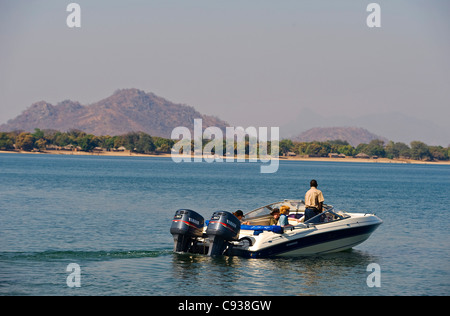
x,y
111,216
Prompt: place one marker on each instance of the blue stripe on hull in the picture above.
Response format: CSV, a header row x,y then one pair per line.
x,y
309,241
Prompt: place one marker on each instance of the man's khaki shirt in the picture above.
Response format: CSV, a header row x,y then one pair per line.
x,y
313,197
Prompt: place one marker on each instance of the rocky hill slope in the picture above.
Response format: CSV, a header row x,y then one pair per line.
x,y
353,135
127,110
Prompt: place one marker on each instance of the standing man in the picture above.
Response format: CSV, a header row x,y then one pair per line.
x,y
313,201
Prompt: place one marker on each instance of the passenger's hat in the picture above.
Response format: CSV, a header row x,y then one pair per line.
x,y
239,213
275,210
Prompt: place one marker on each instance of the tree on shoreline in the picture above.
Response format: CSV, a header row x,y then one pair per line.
x,y
6,141
25,141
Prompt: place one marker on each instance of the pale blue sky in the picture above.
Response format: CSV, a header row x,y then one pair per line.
x,y
250,62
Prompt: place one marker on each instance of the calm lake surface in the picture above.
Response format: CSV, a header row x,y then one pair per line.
x,y
111,216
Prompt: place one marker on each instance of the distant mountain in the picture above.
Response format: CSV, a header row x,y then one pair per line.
x,y
353,135
127,110
398,127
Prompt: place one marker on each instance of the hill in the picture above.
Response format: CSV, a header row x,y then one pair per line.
x,y
353,135
396,126
127,110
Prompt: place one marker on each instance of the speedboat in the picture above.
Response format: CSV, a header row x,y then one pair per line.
x,y
330,231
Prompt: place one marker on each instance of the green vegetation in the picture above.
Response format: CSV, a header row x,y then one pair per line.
x,y
376,148
143,143
80,141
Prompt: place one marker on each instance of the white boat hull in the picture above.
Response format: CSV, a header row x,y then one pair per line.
x,y
327,247
314,240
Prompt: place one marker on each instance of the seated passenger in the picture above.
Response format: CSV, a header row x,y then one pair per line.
x,y
239,214
275,216
283,221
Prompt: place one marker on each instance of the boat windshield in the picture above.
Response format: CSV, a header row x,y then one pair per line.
x,y
294,205
328,215
261,215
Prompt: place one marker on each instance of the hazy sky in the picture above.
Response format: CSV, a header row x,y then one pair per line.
x,y
250,62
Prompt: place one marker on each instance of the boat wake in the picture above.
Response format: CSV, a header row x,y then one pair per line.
x,y
83,255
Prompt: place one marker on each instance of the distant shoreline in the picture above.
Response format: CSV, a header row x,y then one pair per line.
x,y
127,153
368,160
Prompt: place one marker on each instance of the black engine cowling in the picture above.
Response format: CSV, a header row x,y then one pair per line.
x,y
187,225
222,227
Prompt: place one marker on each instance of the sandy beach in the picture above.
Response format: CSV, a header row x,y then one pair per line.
x,y
127,153
379,160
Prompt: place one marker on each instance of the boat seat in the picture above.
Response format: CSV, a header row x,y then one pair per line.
x,y
258,229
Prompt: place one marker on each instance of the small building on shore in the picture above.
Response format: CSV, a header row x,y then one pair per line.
x,y
362,156
52,147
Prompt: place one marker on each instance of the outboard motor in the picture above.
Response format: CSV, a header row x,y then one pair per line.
x,y
222,227
187,225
